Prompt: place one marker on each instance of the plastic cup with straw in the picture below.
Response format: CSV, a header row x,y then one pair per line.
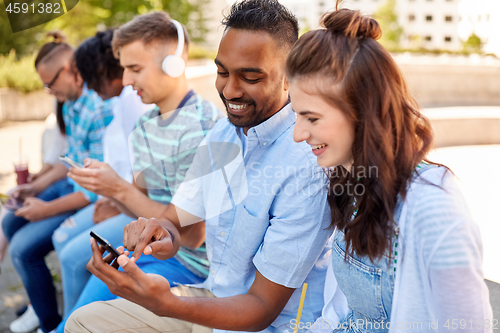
x,y
21,166
288,327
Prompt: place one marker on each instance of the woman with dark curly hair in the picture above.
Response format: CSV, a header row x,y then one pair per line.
x,y
405,249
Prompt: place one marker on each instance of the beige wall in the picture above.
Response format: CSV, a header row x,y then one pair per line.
x,y
16,106
464,132
461,126
432,85
453,85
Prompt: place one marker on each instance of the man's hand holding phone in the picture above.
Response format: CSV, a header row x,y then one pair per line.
x,y
23,191
97,177
151,291
34,209
113,253
10,202
69,163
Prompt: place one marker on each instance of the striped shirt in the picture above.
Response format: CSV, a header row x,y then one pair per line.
x,y
86,119
163,150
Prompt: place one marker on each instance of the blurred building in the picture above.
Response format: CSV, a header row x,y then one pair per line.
x,y
431,24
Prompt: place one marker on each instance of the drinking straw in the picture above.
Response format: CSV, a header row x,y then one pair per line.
x,y
20,148
301,304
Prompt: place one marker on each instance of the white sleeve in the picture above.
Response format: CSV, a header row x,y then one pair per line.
x,y
458,288
54,145
452,253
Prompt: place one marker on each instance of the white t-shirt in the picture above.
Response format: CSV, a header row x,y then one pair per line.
x,y
126,111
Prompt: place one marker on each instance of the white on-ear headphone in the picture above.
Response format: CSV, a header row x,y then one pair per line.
x,y
173,65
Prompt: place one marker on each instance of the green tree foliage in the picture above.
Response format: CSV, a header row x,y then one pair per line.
x,y
19,74
388,20
473,44
23,42
88,16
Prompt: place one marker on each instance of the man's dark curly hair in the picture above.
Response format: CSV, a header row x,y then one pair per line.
x,y
264,15
95,61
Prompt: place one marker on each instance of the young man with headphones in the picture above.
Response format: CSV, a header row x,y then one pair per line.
x,y
153,49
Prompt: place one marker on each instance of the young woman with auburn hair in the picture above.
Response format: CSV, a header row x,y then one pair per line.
x,y
405,248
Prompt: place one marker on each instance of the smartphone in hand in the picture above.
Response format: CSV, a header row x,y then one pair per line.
x,y
12,203
106,244
68,162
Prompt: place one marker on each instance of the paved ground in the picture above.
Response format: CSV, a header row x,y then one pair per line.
x,y
13,295
475,166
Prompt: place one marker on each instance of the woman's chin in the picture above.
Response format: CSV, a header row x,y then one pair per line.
x,y
323,162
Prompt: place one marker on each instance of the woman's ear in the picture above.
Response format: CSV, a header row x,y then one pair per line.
x,y
78,79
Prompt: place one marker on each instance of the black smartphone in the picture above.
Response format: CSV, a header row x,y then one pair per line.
x,y
106,244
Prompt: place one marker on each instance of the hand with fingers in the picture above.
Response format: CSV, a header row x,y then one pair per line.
x,y
24,191
34,209
97,177
104,209
149,236
151,291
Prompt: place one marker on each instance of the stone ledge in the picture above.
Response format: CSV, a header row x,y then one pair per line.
x,y
16,106
461,126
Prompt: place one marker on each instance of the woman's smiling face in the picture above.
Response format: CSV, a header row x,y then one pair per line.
x,y
323,126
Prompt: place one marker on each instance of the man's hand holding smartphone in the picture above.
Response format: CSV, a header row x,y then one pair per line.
x,y
98,177
151,291
10,202
105,246
69,163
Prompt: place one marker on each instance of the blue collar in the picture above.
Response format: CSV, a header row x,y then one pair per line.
x,y
271,129
186,98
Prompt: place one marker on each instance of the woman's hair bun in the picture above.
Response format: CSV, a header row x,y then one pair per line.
x,y
57,36
105,37
351,23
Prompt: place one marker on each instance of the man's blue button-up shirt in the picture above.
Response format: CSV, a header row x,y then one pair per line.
x,y
265,209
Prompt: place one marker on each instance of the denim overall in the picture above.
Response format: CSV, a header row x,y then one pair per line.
x,y
368,286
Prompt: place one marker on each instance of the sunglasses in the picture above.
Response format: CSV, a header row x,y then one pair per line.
x,y
49,85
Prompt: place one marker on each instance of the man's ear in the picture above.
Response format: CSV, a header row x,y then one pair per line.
x,y
286,85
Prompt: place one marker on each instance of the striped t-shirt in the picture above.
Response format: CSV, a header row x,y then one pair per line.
x,y
163,150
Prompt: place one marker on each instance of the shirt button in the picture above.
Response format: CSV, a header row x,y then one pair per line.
x,y
379,270
264,143
213,271
222,233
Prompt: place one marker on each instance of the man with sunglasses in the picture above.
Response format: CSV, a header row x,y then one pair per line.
x,y
52,197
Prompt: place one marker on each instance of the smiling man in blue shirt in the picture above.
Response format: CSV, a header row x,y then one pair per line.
x,y
260,196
